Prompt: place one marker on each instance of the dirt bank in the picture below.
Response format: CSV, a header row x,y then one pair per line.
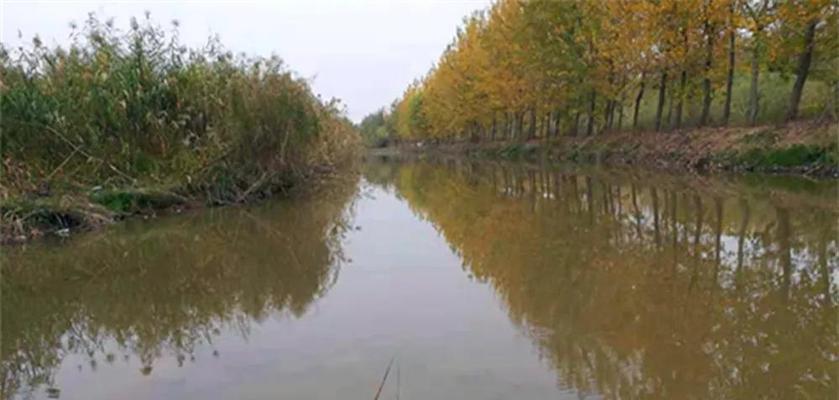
x,y
66,212
802,148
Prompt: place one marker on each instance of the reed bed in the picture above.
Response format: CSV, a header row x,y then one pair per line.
x,y
137,109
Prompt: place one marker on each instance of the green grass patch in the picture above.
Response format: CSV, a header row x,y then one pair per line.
x,y
792,156
512,151
133,201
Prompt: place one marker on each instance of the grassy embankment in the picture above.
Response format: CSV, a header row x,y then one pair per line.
x,y
805,148
122,123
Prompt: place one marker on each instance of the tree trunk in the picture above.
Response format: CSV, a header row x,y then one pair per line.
x,y
638,103
706,80
616,109
557,123
620,115
514,130
706,102
546,125
802,71
670,110
576,129
541,133
753,90
504,127
608,113
680,104
531,129
494,127
513,118
592,102
550,132
729,82
659,111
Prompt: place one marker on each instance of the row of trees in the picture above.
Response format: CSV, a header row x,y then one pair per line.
x,y
543,68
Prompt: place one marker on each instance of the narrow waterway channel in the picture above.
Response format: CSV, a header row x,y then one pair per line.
x,y
471,280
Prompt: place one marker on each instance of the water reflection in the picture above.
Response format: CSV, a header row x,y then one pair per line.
x,y
644,286
152,290
628,285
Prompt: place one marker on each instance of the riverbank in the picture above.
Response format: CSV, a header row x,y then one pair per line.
x,y
36,216
802,148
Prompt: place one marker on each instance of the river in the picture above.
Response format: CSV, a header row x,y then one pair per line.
x,y
443,279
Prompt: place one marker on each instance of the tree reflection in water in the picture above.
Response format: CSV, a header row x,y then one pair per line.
x,y
629,285
647,286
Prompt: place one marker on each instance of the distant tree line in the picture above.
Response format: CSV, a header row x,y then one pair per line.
x,y
544,68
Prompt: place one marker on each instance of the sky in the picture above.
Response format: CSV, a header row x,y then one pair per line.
x,y
364,52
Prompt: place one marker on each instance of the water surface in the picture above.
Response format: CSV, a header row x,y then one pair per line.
x,y
475,280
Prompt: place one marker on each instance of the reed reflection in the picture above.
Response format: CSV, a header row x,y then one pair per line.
x,y
152,290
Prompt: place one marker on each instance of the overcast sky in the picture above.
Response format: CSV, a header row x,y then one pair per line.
x,y
362,51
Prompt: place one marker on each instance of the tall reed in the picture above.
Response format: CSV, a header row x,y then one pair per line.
x,y
136,107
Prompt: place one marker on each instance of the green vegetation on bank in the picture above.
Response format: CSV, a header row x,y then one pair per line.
x,y
374,129
802,148
132,118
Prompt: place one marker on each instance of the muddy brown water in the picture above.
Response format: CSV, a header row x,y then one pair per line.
x,y
472,280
